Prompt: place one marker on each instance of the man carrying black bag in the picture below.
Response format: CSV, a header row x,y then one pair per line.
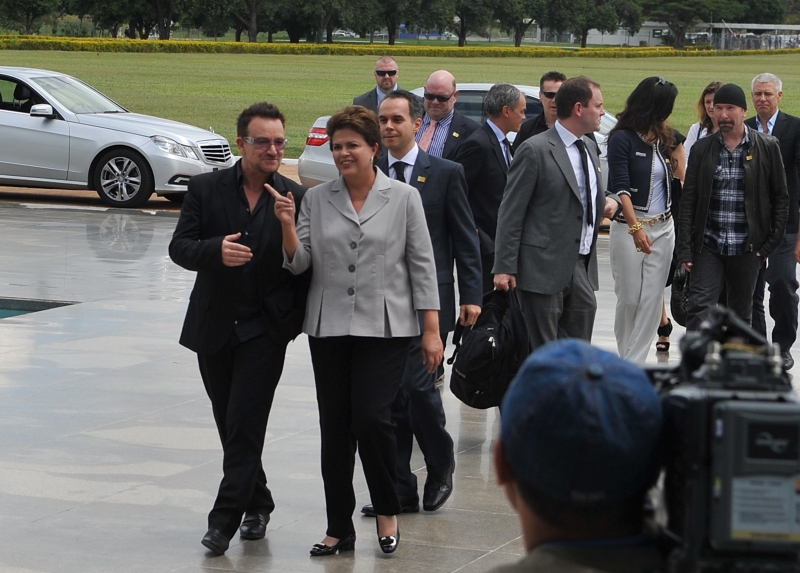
x,y
488,355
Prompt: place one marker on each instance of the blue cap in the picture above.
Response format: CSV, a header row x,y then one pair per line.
x,y
581,425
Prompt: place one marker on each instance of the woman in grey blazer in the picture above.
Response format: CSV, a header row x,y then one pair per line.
x,y
366,238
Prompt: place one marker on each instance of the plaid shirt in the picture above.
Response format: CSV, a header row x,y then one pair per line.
x,y
726,227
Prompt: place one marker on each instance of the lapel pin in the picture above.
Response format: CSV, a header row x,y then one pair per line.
x,y
455,134
421,179
749,157
599,170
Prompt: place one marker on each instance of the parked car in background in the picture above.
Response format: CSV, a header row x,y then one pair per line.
x,y
58,132
316,165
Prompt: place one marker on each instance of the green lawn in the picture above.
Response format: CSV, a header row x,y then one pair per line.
x,y
211,89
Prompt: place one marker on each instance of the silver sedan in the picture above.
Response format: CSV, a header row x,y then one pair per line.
x,y
59,132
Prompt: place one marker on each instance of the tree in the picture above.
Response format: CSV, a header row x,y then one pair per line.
x,y
516,16
165,13
213,16
680,15
581,16
27,14
473,16
247,15
363,17
764,12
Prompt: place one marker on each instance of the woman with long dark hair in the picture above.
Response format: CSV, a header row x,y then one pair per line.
x,y
641,150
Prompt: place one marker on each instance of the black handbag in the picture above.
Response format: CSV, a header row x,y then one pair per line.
x,y
489,354
679,302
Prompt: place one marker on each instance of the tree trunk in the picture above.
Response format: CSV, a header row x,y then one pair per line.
x,y
391,28
269,37
329,35
462,33
679,35
252,29
584,36
518,34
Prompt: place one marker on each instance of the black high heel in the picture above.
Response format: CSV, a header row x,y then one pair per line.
x,y
664,330
388,543
346,544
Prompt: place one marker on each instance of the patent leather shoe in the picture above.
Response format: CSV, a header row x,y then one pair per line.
x,y
215,541
388,543
438,489
407,505
346,544
254,525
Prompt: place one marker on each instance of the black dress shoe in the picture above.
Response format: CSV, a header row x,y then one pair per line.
x,y
346,544
254,526
407,505
788,361
438,489
388,543
215,541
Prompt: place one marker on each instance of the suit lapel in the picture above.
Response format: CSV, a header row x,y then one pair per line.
x,y
498,148
378,197
421,172
340,199
780,123
561,158
230,199
456,129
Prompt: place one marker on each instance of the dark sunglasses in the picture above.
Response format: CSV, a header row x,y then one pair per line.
x,y
548,95
661,81
384,73
264,143
440,99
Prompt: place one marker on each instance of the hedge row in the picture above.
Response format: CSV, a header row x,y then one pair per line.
x,y
180,46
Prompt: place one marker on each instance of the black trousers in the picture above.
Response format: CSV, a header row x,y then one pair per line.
x,y
418,411
781,276
357,379
710,273
240,380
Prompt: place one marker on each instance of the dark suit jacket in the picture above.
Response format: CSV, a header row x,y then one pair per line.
x,y
485,168
461,127
452,229
540,219
209,213
369,100
787,131
530,127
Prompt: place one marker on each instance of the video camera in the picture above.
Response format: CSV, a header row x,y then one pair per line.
x,y
731,454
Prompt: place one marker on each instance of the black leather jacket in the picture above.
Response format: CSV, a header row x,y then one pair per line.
x,y
765,196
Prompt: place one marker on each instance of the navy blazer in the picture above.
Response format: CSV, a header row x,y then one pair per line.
x,y
442,187
787,132
461,127
630,168
486,171
210,212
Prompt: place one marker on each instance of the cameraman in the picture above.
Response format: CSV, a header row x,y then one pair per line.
x,y
579,449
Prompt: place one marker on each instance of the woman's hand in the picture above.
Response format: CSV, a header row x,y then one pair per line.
x,y
432,350
642,241
284,206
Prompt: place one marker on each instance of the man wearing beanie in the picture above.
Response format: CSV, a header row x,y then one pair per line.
x,y
579,448
734,208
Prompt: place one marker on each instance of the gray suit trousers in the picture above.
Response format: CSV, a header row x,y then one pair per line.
x,y
566,314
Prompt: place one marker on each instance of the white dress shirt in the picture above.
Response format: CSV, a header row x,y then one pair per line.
x,y
574,154
410,159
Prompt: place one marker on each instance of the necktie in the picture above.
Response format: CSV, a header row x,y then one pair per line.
x,y
766,128
427,137
586,181
507,149
400,171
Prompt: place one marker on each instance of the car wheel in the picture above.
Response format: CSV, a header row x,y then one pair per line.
x,y
174,197
123,179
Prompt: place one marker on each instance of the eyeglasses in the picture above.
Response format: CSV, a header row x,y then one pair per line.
x,y
548,95
440,99
264,143
384,73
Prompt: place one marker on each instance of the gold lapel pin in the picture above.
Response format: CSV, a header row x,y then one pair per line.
x,y
749,157
455,134
421,179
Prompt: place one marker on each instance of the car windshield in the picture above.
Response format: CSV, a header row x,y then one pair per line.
x,y
76,96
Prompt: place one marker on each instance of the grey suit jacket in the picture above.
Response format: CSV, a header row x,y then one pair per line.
x,y
371,270
369,100
540,218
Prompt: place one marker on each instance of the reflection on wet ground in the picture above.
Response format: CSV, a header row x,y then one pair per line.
x,y
109,459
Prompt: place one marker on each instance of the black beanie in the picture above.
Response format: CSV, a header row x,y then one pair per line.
x,y
731,94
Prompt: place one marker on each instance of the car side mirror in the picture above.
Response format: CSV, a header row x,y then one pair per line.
x,y
43,110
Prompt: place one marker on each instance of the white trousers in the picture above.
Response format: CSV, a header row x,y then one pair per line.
x,y
639,282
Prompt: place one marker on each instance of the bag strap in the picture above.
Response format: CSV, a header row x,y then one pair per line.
x,y
457,333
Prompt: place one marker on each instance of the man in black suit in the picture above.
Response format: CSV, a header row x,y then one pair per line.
x,y
548,86
781,270
485,157
386,75
243,311
418,410
443,129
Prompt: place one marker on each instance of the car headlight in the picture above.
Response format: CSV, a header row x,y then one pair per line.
x,y
173,147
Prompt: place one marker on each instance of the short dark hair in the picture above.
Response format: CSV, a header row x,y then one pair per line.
x,y
358,118
552,77
572,91
415,107
261,109
619,519
500,96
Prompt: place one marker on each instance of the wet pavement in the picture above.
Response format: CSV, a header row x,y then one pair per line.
x,y
109,458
